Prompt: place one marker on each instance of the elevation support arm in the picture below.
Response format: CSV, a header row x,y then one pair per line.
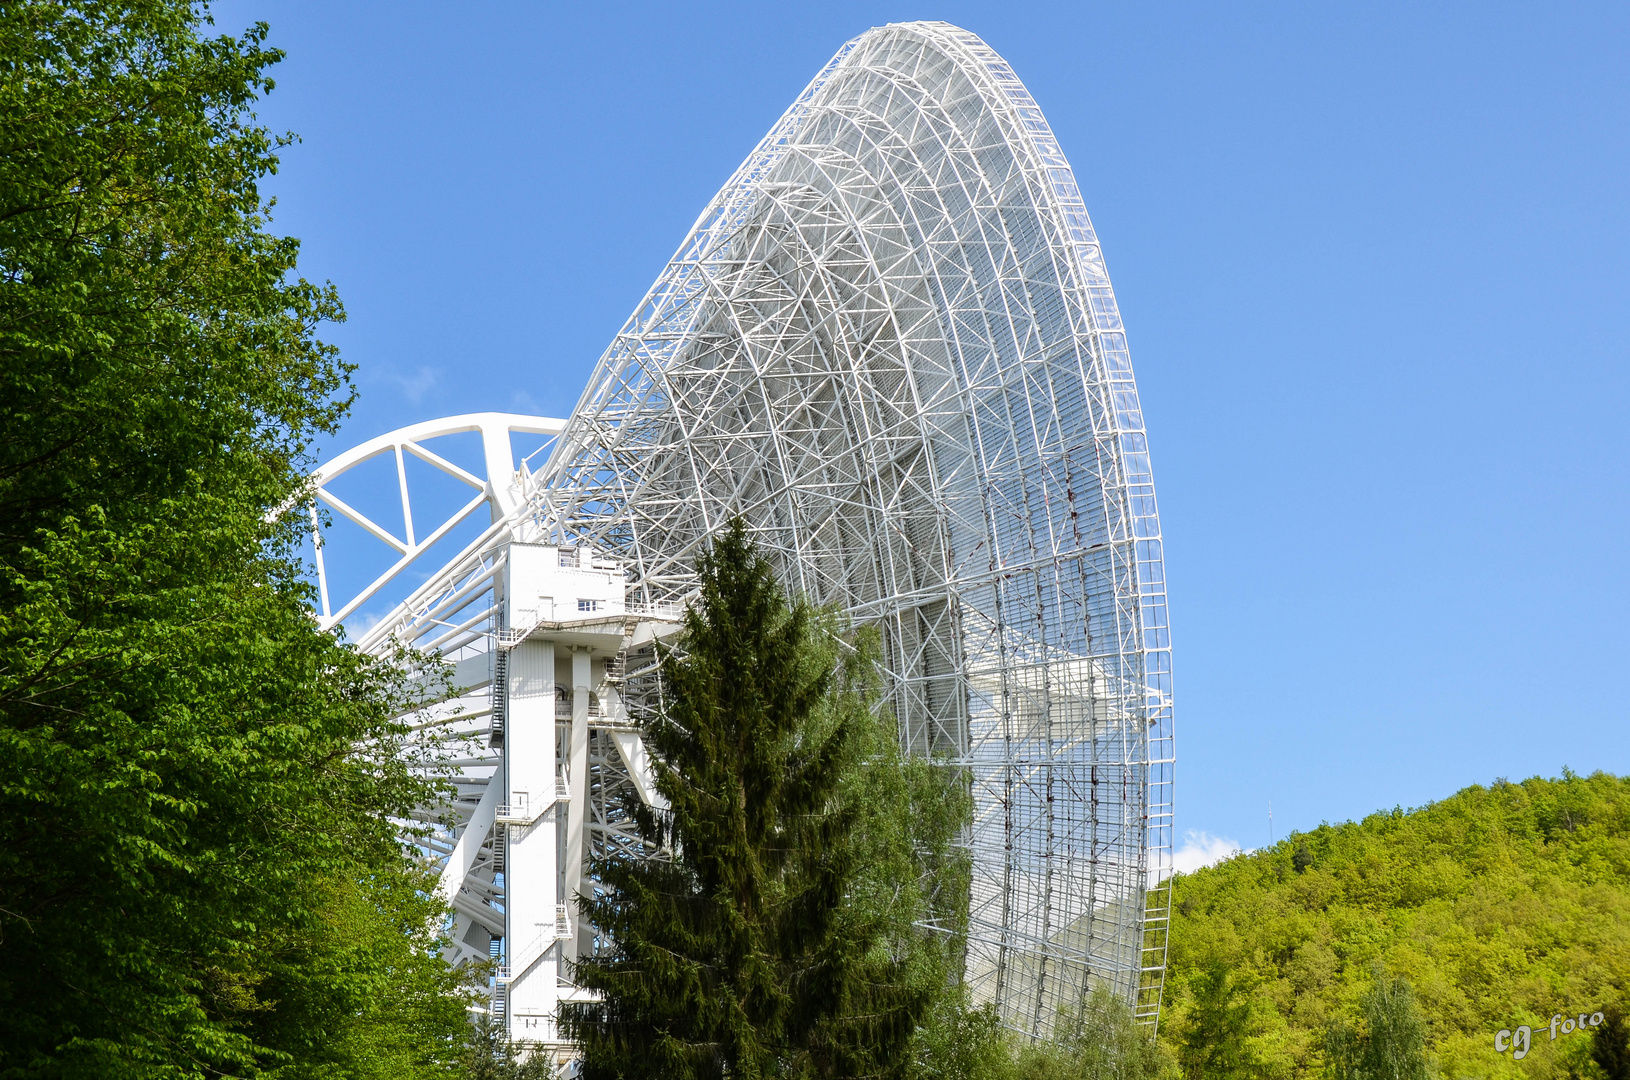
x,y
578,810
469,842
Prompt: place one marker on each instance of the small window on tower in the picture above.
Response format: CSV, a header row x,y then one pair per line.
x,y
588,605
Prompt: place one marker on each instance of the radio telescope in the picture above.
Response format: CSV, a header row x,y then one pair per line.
x,y
890,345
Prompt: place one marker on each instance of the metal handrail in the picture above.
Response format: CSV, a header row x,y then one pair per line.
x,y
517,815
506,972
662,610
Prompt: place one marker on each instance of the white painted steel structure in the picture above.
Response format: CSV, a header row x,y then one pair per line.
x,y
890,344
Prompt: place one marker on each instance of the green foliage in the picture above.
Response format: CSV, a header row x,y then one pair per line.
x,y
365,994
1499,905
956,1042
199,877
1393,1043
1610,1044
1216,1041
1343,1051
492,1056
779,938
1101,1041
1395,1036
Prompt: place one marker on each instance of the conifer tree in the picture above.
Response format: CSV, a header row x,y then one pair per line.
x,y
745,952
1216,1043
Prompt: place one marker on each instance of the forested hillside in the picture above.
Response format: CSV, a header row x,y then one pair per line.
x,y
1500,905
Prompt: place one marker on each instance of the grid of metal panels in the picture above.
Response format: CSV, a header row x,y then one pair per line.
x,y
890,344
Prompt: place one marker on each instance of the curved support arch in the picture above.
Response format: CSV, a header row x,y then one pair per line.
x,y
499,490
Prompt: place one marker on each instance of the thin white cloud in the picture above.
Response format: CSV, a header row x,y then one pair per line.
x,y
1201,849
416,385
360,623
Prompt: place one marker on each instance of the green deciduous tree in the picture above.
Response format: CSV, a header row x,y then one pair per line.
x,y
1395,1043
1392,1045
1099,1041
958,1042
198,875
492,1055
778,938
1343,1051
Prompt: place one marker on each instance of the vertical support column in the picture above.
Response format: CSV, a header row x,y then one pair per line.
x,y
531,870
577,832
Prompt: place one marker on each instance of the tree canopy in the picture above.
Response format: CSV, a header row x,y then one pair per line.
x,y
1499,906
199,876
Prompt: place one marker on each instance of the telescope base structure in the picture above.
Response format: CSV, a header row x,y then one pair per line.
x,y
563,752
890,346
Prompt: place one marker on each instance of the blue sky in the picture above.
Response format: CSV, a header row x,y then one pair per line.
x,y
1373,261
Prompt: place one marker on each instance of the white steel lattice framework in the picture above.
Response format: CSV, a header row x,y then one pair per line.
x,y
890,345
